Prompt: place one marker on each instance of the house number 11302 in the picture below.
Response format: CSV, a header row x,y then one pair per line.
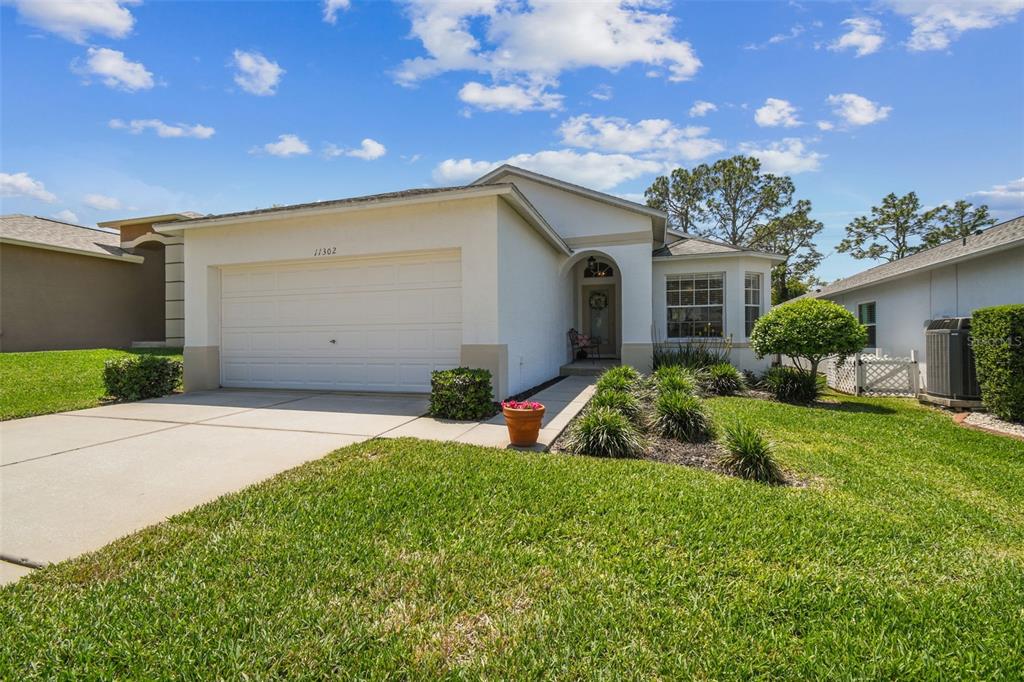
x,y
326,251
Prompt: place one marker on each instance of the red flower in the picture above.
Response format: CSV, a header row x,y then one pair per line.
x,y
522,405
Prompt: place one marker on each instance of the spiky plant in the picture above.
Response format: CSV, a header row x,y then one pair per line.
x,y
621,378
604,432
682,416
720,379
675,378
748,455
624,402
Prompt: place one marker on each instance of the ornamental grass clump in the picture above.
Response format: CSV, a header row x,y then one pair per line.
x,y
748,455
604,432
624,402
671,378
790,385
621,378
720,379
682,416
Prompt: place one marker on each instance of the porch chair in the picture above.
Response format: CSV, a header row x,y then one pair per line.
x,y
577,343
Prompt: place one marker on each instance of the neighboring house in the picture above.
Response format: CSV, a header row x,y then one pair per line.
x,y
373,293
65,286
897,300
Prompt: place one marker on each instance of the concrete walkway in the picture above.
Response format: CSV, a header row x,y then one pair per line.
x,y
562,401
73,482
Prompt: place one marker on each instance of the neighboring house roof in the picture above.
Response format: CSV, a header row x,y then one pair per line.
x,y
660,217
997,238
45,233
507,191
690,245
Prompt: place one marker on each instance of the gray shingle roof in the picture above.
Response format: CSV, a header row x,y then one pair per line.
x,y
998,237
49,232
369,198
700,246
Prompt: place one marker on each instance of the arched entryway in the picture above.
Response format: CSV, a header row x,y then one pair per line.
x,y
596,285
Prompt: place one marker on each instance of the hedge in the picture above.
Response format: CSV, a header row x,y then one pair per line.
x,y
141,377
997,337
461,393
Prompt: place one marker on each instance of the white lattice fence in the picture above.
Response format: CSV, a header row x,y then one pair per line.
x,y
871,375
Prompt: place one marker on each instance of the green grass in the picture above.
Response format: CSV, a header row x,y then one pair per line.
x,y
54,381
904,560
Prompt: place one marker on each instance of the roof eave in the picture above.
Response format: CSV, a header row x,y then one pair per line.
x,y
124,257
722,254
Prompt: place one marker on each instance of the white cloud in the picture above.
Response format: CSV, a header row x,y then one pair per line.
x,y
794,32
102,202
539,39
137,126
332,7
256,74
76,19
1006,201
825,125
654,138
23,185
368,150
114,70
67,216
514,98
776,112
590,169
855,110
602,92
865,36
701,108
937,23
788,156
286,145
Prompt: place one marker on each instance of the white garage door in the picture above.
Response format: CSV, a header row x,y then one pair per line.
x,y
359,324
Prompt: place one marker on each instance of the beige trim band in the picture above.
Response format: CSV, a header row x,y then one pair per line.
x,y
617,238
127,258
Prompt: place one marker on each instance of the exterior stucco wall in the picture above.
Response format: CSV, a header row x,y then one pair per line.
x,y
58,301
575,216
735,269
531,303
904,306
468,225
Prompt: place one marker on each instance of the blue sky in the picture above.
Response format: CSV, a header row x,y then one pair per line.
x,y
111,108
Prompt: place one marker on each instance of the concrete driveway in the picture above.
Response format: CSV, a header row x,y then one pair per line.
x,y
73,482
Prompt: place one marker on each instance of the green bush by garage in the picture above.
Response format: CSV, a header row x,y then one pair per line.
x,y
997,337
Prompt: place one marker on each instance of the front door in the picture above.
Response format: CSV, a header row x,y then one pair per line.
x,y
599,317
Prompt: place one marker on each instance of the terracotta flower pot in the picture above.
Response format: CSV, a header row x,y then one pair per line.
x,y
523,425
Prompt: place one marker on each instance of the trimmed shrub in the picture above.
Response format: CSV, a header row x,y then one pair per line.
x,y
808,330
748,455
141,376
672,378
624,402
720,379
682,416
604,432
790,385
621,378
997,338
461,393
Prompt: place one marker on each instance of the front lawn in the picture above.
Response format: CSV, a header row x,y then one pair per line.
x,y
904,558
55,381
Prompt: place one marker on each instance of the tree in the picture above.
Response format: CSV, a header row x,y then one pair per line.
x,y
792,236
741,200
891,231
958,221
681,195
808,331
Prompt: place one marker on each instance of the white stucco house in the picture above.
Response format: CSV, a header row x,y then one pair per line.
x,y
897,300
373,293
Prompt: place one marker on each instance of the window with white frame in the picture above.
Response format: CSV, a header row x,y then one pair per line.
x,y
695,305
751,300
866,316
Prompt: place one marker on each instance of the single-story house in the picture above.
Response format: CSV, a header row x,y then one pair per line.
x,y
372,293
897,300
66,286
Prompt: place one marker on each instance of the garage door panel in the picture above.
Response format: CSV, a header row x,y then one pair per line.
x,y
392,321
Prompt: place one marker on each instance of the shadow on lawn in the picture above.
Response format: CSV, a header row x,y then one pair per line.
x,y
866,408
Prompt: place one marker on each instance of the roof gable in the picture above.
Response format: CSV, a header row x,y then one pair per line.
x,y
691,245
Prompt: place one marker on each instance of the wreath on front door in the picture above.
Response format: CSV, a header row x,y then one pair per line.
x,y
598,300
